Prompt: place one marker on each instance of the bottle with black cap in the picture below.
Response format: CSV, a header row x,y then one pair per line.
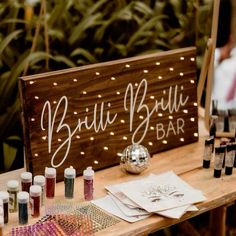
x,y
229,158
219,157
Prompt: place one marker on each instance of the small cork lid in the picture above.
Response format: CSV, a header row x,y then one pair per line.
x,y
4,196
39,180
12,185
26,177
50,172
69,173
35,190
23,197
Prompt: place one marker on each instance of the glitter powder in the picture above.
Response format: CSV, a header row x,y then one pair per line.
x,y
40,180
5,198
88,176
69,179
23,200
26,181
50,175
35,194
12,189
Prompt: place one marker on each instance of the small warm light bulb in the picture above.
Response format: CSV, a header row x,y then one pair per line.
x,y
59,140
75,112
195,104
32,119
122,121
113,78
181,58
36,97
95,162
185,111
136,84
152,97
192,59
145,71
159,77
112,133
192,81
75,80
91,138
36,154
87,110
192,119
119,154
164,141
77,136
171,117
31,82
171,69
54,102
82,153
195,134
105,148
181,74
158,63
125,138
141,117
152,128
54,84
97,73
118,93
84,92
44,137
99,95
160,114
150,143
182,139
127,66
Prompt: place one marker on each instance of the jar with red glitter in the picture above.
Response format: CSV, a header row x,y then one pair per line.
x,y
50,175
35,195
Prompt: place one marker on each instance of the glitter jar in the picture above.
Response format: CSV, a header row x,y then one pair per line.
x,y
26,181
40,180
23,201
69,179
12,189
88,176
50,175
1,226
35,195
5,198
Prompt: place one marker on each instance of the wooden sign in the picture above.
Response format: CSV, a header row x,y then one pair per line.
x,y
86,116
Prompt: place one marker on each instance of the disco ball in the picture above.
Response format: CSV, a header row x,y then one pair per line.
x,y
135,159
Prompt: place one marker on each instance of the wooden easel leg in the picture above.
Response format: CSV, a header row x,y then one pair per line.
x,y
218,221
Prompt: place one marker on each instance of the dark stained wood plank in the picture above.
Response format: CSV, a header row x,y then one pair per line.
x,y
86,116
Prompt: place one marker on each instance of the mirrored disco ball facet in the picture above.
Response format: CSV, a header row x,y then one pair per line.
x,y
135,159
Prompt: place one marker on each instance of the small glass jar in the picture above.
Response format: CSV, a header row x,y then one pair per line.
x,y
50,175
35,195
5,198
23,201
40,180
12,189
26,181
69,180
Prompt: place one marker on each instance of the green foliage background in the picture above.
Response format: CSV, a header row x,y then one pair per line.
x,y
38,36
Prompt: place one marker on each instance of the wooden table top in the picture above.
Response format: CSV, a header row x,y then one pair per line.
x,y
185,161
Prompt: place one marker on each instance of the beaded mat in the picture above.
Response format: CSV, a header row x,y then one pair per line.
x,y
68,218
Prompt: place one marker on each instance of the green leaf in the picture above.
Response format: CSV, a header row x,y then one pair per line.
x,y
8,39
9,154
63,59
85,53
85,24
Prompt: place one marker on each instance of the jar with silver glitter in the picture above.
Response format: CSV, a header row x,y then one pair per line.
x,y
135,159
